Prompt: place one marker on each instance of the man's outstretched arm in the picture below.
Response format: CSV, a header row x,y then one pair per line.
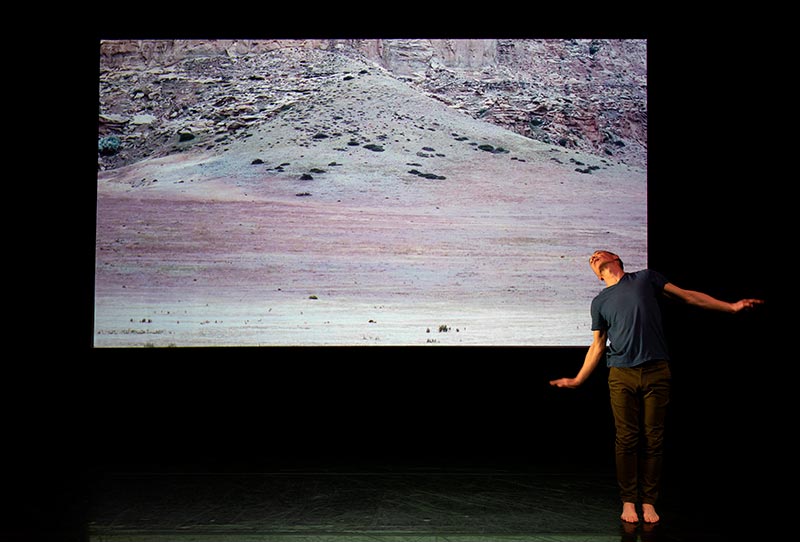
x,y
590,362
705,301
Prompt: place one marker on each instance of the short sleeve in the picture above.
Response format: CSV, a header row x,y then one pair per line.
x,y
598,322
657,280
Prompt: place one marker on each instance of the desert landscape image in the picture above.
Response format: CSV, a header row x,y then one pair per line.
x,y
364,192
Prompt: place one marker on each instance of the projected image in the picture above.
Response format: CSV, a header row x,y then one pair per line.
x,y
364,192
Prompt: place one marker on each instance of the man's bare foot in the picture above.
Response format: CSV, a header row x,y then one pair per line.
x,y
649,513
629,514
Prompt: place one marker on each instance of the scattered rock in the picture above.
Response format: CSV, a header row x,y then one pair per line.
x,y
143,119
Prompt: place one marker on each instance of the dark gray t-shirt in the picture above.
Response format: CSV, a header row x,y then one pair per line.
x,y
630,313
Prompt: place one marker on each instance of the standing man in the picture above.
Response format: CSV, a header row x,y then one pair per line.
x,y
627,328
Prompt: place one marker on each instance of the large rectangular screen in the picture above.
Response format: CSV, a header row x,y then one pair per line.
x,y
364,192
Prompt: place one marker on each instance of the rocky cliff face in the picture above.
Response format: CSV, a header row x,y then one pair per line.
x,y
160,96
403,57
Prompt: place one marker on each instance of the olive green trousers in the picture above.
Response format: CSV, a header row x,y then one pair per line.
x,y
639,398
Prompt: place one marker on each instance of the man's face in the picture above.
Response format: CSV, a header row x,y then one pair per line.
x,y
600,258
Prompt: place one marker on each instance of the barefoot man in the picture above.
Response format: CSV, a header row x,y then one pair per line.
x,y
627,331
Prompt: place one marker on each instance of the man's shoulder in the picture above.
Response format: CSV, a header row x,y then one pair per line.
x,y
647,272
644,276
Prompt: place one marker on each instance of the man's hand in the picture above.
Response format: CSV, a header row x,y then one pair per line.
x,y
746,304
565,383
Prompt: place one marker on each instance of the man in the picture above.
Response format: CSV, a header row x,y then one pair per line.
x,y
627,328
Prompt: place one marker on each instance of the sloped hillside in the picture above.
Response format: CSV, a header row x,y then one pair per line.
x,y
588,95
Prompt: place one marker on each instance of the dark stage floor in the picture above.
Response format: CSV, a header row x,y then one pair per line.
x,y
377,504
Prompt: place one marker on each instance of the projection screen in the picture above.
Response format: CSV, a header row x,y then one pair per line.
x,y
364,192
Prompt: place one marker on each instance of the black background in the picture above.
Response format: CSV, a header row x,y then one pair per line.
x,y
74,412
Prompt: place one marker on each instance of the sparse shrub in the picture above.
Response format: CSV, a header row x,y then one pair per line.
x,y
108,146
427,175
492,149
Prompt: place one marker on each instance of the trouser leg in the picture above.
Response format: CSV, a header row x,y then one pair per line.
x,y
623,390
656,390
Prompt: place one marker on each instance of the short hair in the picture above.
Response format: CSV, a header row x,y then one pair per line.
x,y
617,258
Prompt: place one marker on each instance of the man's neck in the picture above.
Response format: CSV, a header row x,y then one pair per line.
x,y
611,278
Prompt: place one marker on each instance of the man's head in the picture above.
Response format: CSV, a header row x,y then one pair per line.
x,y
600,259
